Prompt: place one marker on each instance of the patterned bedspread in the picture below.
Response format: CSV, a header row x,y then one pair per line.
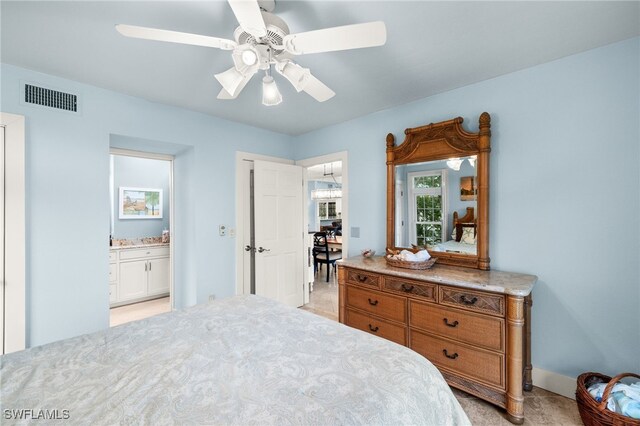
x,y
241,361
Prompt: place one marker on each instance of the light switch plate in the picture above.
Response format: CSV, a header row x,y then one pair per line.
x,y
222,230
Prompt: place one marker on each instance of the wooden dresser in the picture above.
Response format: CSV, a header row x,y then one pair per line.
x,y
471,324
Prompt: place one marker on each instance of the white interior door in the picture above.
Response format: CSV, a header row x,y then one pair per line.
x,y
279,232
12,225
2,239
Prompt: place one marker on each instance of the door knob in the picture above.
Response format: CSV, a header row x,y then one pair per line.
x,y
249,248
261,249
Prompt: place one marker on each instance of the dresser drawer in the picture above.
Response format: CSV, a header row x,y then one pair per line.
x,y
383,305
473,300
476,329
144,253
415,288
372,325
113,256
355,276
485,366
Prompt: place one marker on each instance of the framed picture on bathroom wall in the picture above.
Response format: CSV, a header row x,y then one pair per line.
x,y
468,188
140,203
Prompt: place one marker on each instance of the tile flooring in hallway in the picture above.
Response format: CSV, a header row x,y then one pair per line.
x,y
137,311
541,407
323,300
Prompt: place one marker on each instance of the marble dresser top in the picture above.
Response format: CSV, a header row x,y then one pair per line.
x,y
495,281
137,246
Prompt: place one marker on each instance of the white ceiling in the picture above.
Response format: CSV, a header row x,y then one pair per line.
x,y
432,47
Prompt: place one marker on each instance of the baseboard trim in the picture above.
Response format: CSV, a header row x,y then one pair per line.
x,y
554,382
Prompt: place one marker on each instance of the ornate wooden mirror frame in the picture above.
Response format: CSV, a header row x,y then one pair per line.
x,y
441,141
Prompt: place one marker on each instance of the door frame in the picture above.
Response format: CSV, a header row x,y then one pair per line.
x,y
342,156
14,335
242,193
172,221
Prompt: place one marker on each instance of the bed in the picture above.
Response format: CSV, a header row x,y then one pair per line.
x,y
463,235
243,360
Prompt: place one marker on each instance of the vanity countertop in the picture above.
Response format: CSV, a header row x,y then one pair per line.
x,y
138,246
511,283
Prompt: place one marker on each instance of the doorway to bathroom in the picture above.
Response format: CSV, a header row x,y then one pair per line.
x,y
140,240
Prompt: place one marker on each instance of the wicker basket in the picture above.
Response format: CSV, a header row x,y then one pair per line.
x,y
410,265
597,414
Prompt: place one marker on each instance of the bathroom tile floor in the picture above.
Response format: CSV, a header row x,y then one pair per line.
x,y
541,407
138,311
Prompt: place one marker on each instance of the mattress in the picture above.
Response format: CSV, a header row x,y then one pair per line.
x,y
456,247
244,360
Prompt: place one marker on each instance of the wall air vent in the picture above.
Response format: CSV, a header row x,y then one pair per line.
x,y
50,98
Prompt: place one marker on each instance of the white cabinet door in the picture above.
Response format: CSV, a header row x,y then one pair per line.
x,y
133,280
113,293
322,210
158,276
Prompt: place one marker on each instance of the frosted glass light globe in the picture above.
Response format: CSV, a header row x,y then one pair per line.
x,y
249,57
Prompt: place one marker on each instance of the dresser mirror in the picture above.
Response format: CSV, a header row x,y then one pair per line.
x,y
438,192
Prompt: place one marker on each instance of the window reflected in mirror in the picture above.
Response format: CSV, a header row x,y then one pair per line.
x,y
436,204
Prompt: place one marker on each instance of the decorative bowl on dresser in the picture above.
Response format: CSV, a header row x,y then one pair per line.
x,y
470,322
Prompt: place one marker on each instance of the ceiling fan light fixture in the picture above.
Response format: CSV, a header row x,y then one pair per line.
x,y
298,76
454,163
246,59
249,57
231,79
270,93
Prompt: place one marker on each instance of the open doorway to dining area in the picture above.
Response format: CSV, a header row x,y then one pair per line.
x,y
327,232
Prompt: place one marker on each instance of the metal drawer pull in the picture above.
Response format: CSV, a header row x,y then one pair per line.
x,y
406,288
374,329
454,356
372,302
362,278
450,324
464,300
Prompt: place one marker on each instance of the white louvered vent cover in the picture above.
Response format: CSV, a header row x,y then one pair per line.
x,y
50,98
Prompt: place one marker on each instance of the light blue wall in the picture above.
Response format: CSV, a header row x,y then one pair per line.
x,y
68,154
140,173
564,194
555,210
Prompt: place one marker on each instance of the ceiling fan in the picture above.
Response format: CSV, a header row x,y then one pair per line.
x,y
263,40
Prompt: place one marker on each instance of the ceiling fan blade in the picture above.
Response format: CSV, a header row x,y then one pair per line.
x,y
337,38
175,37
317,89
249,17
